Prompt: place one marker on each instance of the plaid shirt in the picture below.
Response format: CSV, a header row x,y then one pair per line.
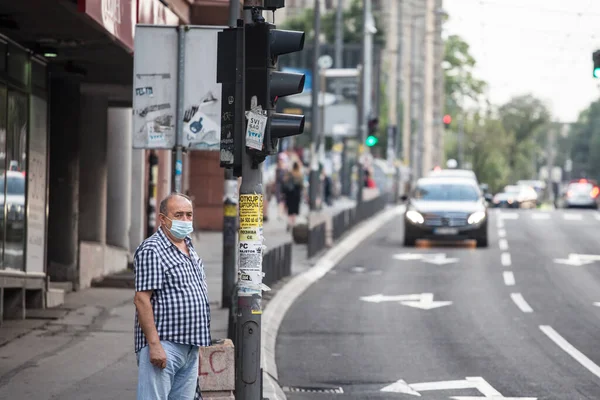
x,y
180,297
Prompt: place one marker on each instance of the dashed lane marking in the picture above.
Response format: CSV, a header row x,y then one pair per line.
x,y
521,303
505,259
509,278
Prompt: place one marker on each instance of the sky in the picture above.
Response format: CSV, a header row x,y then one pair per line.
x,y
541,47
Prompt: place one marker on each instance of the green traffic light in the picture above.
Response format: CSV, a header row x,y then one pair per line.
x,y
371,141
596,72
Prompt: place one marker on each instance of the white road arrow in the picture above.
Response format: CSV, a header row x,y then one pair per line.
x,y
423,301
426,302
577,260
439,259
380,298
477,382
431,258
408,256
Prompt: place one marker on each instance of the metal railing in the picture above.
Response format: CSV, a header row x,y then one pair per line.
x,y
277,264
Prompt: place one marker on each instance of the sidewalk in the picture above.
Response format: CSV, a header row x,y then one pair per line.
x,y
87,352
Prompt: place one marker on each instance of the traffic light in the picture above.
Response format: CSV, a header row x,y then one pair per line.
x,y
596,59
264,85
373,125
447,120
230,74
371,141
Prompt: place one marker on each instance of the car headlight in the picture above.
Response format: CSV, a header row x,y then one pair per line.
x,y
476,217
415,217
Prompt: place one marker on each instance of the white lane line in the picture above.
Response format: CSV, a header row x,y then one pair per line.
x,y
521,303
597,216
505,259
512,216
509,278
503,244
540,216
571,350
502,233
500,223
572,217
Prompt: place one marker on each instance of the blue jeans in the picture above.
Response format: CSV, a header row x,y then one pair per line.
x,y
177,381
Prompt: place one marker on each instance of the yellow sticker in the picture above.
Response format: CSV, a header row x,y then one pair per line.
x,y
251,211
256,312
230,210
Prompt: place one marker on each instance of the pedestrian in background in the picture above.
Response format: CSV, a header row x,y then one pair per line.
x,y
280,174
172,309
294,186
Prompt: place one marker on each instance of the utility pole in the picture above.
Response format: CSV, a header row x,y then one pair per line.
x,y
339,34
230,189
461,142
314,181
177,162
250,132
399,94
368,31
414,100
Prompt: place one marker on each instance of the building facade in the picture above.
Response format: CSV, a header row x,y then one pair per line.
x,y
75,195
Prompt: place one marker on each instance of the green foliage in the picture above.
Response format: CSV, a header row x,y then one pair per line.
x,y
584,142
459,81
352,24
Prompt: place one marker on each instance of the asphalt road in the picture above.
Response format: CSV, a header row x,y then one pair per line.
x,y
522,322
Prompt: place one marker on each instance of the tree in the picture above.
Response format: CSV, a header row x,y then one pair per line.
x,y
526,120
460,84
585,143
352,24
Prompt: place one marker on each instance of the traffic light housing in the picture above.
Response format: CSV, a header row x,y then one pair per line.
x,y
230,74
596,59
447,120
264,84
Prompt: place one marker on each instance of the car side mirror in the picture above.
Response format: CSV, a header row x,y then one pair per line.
x,y
488,197
404,197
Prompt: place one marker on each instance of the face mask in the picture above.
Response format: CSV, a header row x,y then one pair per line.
x,y
180,229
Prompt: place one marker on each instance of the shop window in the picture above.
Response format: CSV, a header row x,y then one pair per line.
x,y
18,65
38,75
15,180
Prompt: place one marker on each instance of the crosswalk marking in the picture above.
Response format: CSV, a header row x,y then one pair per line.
x,y
540,216
572,217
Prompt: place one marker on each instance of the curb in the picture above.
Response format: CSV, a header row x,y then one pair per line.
x,y
277,308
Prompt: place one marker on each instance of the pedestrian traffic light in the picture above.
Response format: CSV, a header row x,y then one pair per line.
x,y
264,85
596,59
371,141
447,120
373,125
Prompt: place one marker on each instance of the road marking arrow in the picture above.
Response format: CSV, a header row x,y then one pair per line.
x,y
400,387
423,301
380,298
439,259
431,258
426,302
408,256
477,382
578,259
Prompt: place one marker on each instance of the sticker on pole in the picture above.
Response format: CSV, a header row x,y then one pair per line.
x,y
255,131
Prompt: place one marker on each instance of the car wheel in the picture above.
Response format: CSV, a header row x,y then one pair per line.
x,y
482,241
409,241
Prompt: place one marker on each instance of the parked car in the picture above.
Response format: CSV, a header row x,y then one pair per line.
x,y
446,209
583,193
516,196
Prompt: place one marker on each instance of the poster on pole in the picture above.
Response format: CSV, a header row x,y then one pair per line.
x,y
202,94
154,87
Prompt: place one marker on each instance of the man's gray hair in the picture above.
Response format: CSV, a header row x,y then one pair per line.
x,y
165,201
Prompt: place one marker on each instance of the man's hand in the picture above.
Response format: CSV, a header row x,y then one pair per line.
x,y
158,357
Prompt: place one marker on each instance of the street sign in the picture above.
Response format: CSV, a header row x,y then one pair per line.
x,y
423,301
477,383
436,259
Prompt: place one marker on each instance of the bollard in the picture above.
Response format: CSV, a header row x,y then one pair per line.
x,y
217,370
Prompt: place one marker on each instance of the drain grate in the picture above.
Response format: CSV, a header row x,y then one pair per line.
x,y
313,389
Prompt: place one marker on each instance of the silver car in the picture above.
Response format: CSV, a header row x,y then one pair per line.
x,y
582,194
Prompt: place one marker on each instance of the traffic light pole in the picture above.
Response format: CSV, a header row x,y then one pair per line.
x,y
313,188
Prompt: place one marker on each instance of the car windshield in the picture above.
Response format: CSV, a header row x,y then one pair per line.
x,y
581,187
446,192
15,185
